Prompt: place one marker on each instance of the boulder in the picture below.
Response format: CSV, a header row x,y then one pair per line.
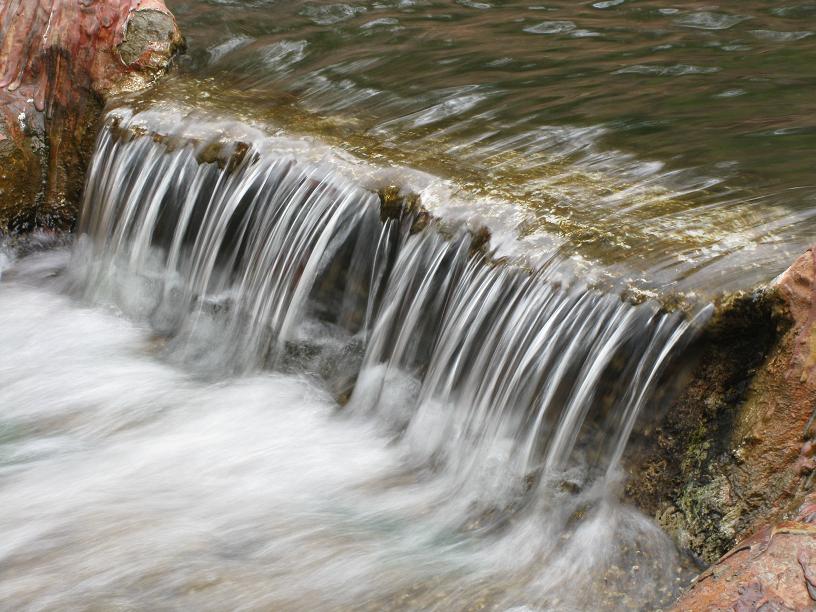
x,y
60,61
774,569
728,469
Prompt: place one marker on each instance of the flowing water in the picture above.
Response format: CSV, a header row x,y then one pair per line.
x,y
266,388
672,142
258,377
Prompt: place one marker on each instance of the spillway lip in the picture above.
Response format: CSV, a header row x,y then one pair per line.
x,y
663,231
430,200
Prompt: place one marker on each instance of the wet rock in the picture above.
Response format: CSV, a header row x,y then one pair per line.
x,y
60,61
774,569
394,204
20,175
678,475
735,450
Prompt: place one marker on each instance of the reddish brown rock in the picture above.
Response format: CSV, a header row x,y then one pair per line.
x,y
59,62
774,435
733,459
736,449
774,569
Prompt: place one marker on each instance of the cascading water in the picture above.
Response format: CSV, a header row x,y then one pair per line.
x,y
337,404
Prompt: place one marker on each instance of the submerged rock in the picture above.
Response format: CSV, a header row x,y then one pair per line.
x,y
60,61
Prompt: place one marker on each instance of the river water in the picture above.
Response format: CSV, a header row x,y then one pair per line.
x,y
670,141
252,385
137,472
249,381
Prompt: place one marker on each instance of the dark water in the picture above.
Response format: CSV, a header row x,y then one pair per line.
x,y
672,143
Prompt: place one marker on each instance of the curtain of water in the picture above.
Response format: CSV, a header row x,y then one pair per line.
x,y
317,399
472,362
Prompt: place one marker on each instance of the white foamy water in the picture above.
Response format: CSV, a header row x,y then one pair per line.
x,y
251,382
127,482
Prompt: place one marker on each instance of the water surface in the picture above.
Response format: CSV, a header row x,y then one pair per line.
x,y
673,143
133,479
246,385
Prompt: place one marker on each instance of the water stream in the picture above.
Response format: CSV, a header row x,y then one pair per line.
x,y
367,299
672,142
267,388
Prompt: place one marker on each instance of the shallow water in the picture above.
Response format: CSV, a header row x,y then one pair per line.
x,y
669,142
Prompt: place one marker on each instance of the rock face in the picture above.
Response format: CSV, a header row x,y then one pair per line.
x,y
682,475
733,458
774,569
60,60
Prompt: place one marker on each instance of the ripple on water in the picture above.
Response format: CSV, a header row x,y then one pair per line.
x,y
607,4
797,10
378,23
551,27
330,14
281,55
776,36
476,5
676,70
731,93
449,108
217,52
707,20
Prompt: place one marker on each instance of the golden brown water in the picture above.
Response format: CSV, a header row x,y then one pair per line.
x,y
672,143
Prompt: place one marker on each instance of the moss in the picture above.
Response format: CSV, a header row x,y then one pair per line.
x,y
681,457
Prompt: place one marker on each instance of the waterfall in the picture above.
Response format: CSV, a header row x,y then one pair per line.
x,y
251,257
274,381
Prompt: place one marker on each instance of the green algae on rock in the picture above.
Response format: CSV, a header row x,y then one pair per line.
x,y
734,451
